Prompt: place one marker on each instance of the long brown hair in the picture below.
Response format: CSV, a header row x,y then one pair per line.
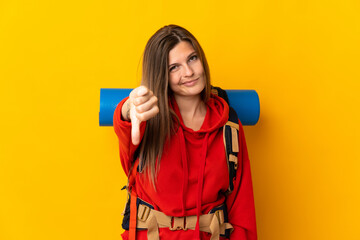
x,y
155,76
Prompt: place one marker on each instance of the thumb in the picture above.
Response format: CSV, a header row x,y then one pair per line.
x,y
135,127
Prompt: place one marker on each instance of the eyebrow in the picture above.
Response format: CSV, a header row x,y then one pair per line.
x,y
190,55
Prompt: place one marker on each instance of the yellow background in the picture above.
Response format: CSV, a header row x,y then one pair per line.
x,y
60,175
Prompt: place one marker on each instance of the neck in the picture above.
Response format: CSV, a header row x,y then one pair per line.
x,y
192,110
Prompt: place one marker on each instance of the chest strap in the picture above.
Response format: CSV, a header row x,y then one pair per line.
x,y
152,220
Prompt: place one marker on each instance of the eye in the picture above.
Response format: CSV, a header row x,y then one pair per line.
x,y
193,58
172,68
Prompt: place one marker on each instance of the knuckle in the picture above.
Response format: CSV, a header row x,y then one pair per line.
x,y
145,89
134,101
137,101
141,117
139,109
131,93
156,109
138,116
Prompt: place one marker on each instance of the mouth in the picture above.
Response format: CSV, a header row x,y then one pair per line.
x,y
189,82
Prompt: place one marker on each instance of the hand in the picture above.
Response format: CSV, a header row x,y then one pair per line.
x,y
141,106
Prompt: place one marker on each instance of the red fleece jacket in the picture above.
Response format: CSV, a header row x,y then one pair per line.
x,y
193,174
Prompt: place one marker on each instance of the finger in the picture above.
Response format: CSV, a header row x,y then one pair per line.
x,y
142,90
135,131
139,91
142,99
135,126
146,106
148,114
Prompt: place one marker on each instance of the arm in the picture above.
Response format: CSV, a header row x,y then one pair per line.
x,y
240,203
122,129
129,121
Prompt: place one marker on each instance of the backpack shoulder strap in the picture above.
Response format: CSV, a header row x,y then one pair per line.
x,y
231,141
133,200
221,93
231,138
130,211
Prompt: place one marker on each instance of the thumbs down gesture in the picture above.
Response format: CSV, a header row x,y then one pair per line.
x,y
141,106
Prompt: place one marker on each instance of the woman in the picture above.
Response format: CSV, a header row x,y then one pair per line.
x,y
172,126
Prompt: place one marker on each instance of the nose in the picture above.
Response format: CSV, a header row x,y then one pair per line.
x,y
188,72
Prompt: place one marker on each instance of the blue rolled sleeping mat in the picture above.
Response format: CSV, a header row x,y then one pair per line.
x,y
245,102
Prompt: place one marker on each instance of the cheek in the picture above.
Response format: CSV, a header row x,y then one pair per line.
x,y
199,68
174,78
172,81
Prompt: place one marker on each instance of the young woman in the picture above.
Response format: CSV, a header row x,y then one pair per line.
x,y
172,126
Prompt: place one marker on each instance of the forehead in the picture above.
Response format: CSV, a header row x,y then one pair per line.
x,y
180,52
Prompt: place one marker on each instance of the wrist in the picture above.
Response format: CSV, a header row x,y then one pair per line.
x,y
125,111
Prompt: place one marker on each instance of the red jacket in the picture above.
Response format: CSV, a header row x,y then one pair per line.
x,y
193,165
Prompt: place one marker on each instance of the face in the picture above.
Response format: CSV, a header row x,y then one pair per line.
x,y
186,72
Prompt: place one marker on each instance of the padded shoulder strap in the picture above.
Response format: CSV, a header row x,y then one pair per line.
x,y
231,136
220,92
231,141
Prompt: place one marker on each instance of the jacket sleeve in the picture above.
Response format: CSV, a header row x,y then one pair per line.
x,y
240,203
123,131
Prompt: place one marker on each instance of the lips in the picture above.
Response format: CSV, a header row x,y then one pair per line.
x,y
190,82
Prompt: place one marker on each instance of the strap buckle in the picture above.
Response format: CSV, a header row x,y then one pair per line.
x,y
220,216
234,159
143,212
178,223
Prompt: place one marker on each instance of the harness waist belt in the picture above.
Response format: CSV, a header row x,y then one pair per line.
x,y
152,220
